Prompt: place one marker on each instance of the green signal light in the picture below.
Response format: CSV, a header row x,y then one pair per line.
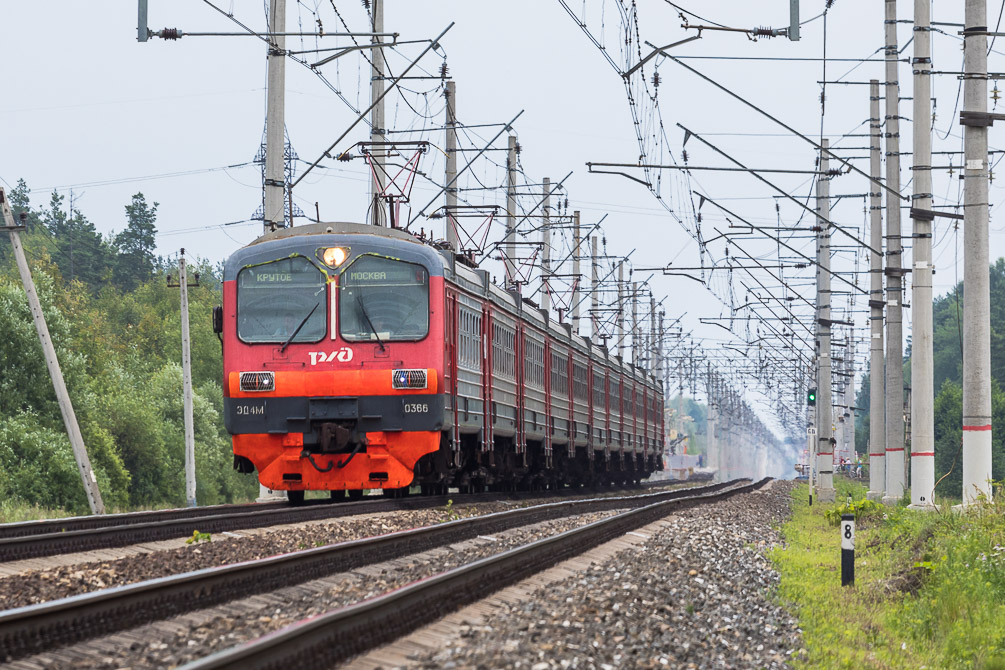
x,y
811,397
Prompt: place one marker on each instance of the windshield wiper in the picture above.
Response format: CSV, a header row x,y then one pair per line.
x,y
297,331
359,302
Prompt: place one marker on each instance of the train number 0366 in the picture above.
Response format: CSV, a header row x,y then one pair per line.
x,y
416,408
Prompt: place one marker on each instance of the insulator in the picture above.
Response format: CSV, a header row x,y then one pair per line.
x,y
444,70
170,34
763,31
366,4
684,155
345,157
656,79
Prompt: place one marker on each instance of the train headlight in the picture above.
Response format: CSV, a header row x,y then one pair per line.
x,y
258,381
334,256
408,379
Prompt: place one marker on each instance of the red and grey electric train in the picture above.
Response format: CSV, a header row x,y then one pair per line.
x,y
358,357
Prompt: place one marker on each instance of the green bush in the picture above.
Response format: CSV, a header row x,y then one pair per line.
x,y
863,508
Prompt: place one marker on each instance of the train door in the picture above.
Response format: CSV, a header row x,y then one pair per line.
x,y
549,421
520,372
451,327
487,436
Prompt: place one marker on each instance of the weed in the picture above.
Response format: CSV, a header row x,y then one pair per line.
x,y
863,508
452,514
198,537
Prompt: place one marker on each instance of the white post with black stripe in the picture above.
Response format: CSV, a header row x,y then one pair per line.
x,y
847,550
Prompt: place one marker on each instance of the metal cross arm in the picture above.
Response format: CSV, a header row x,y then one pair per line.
x,y
781,191
342,51
832,173
812,261
929,215
327,152
655,52
980,119
505,127
786,126
590,166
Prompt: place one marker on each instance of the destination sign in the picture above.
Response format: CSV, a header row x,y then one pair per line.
x,y
401,275
286,272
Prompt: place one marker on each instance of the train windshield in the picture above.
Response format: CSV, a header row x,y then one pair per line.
x,y
382,299
282,301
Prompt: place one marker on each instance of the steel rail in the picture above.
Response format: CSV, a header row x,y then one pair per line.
x,y
43,526
34,539
59,542
42,627
329,639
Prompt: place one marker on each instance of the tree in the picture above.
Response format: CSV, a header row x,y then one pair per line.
x,y
136,261
80,252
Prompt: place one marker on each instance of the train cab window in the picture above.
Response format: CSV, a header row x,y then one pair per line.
x,y
382,299
281,301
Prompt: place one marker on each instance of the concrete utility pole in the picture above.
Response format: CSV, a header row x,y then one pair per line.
x,y
52,363
877,371
275,121
894,272
710,438
635,324
546,247
976,275
450,93
595,287
577,254
659,352
186,368
825,452
811,446
621,310
922,365
651,349
377,130
849,402
509,248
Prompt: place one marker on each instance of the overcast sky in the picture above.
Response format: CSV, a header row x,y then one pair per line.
x,y
88,109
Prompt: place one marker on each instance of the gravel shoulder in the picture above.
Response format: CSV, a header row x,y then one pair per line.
x,y
698,593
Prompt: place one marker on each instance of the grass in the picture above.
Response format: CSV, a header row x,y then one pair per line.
x,y
929,592
12,511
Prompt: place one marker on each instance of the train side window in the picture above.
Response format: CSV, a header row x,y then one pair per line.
x,y
470,326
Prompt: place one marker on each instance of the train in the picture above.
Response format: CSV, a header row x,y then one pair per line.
x,y
359,357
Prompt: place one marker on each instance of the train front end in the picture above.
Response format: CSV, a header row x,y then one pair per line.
x,y
333,357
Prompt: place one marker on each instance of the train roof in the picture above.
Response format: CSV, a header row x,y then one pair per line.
x,y
361,238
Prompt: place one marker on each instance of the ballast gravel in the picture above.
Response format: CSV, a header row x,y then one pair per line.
x,y
36,586
696,594
164,646
39,586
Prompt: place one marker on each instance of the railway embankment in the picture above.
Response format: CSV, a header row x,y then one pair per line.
x,y
929,586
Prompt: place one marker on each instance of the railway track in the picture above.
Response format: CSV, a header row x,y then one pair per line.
x,y
339,635
37,628
36,539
